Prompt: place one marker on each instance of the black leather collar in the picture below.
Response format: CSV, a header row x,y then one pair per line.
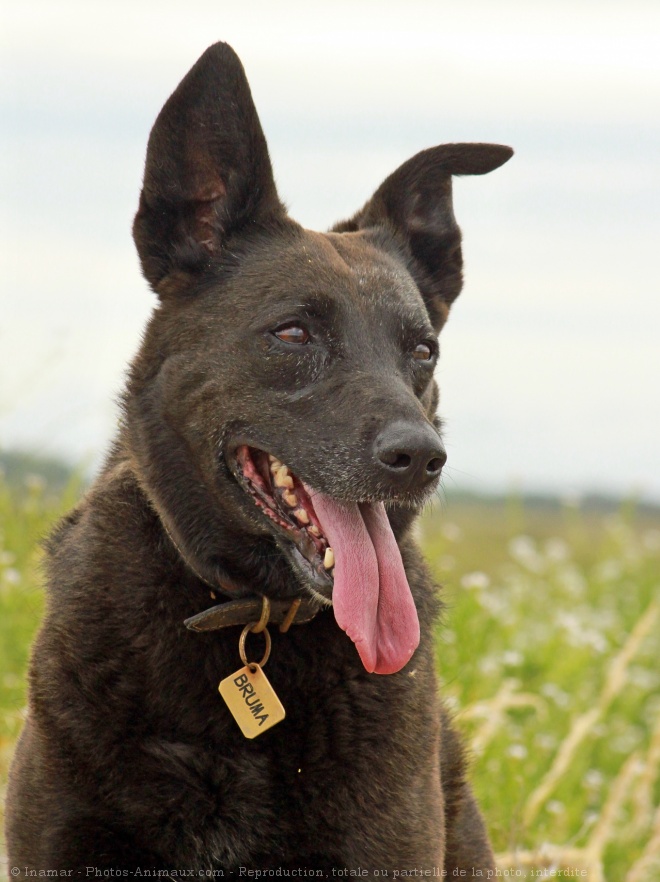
x,y
247,610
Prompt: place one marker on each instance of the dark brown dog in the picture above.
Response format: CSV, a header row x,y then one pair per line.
x,y
282,397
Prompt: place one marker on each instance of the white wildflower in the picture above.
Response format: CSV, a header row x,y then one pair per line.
x,y
545,740
572,580
644,678
477,580
556,550
452,532
593,779
555,807
523,550
578,634
627,741
552,691
512,658
489,664
608,570
11,576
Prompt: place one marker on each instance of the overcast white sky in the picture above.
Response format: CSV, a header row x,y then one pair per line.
x,y
550,362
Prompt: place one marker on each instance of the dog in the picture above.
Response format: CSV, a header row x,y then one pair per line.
x,y
279,435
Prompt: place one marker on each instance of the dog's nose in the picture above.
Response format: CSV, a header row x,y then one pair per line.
x,y
410,453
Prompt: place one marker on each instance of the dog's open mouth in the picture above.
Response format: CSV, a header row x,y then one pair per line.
x,y
347,551
283,498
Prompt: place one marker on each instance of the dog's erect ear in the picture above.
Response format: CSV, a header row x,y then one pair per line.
x,y
416,203
207,172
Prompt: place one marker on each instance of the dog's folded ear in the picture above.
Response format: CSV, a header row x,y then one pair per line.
x,y
415,202
207,171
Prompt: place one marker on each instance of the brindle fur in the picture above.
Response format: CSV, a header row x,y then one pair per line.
x,y
128,757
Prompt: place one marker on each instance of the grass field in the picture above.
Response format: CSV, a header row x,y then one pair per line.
x,y
549,653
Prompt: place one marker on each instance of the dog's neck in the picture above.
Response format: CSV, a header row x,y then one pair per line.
x,y
229,613
246,610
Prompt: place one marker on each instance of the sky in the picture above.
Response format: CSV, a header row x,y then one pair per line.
x,y
550,362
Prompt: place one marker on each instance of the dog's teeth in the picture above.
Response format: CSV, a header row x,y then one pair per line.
x,y
301,516
275,464
314,530
329,559
290,498
283,478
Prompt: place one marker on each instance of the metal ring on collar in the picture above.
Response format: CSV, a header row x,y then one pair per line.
x,y
241,645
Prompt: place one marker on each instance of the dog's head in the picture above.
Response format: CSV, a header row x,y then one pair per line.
x,y
284,391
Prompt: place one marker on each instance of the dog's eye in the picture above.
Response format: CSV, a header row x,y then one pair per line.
x,y
292,334
422,352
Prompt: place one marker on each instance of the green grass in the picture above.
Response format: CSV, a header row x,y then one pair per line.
x,y
26,515
549,653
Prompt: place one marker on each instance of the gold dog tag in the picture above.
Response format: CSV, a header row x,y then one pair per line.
x,y
251,700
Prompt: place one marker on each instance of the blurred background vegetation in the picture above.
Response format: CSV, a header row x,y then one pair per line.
x,y
548,652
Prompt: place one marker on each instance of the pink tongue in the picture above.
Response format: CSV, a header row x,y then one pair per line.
x,y
371,595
